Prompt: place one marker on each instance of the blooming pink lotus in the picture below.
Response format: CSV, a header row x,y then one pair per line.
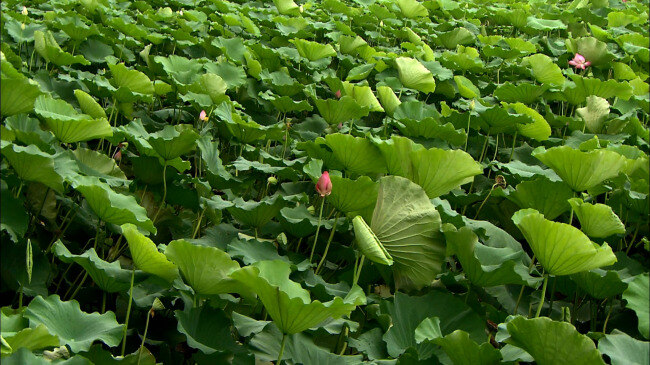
x,y
324,184
579,61
203,116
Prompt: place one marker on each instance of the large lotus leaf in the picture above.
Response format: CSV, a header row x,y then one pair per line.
x,y
109,276
358,155
180,69
93,163
583,87
414,75
592,49
17,96
364,96
145,255
368,243
624,350
206,328
348,44
32,339
412,9
551,342
313,51
408,313
388,99
134,80
581,170
397,153
439,171
287,7
254,213
561,248
299,221
113,207
462,350
204,268
594,113
13,217
281,82
525,93
46,46
89,105
637,297
233,124
429,128
286,104
341,110
453,38
484,265
466,88
597,220
233,75
406,223
360,72
352,195
464,59
498,119
416,110
31,164
609,281
67,124
288,304
318,149
174,141
544,69
538,130
75,328
547,197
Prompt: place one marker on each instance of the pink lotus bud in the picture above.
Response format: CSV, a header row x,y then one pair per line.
x,y
324,184
338,94
118,155
579,62
340,125
203,116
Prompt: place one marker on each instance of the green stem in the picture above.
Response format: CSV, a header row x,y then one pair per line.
x,y
611,306
327,247
198,224
358,273
320,216
484,149
162,203
541,300
521,292
469,119
81,283
484,200
128,313
20,298
550,310
144,336
103,302
284,341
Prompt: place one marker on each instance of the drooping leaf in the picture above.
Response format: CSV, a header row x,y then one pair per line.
x,y
75,328
414,75
547,197
623,349
560,248
439,171
406,223
597,220
538,335
288,304
109,276
31,164
581,170
369,245
67,124
146,256
206,269
637,297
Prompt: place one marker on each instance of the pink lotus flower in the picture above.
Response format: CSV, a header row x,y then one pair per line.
x,y
203,116
579,62
338,94
324,184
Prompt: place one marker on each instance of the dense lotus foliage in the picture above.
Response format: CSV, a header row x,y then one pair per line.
x,y
325,182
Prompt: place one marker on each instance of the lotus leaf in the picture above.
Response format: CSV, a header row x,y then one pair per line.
x,y
560,248
146,256
414,75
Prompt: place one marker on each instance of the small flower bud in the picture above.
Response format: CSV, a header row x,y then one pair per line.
x,y
24,12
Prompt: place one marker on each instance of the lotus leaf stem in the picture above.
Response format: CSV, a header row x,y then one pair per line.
x,y
327,247
128,312
320,216
144,336
357,274
541,300
162,203
284,341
